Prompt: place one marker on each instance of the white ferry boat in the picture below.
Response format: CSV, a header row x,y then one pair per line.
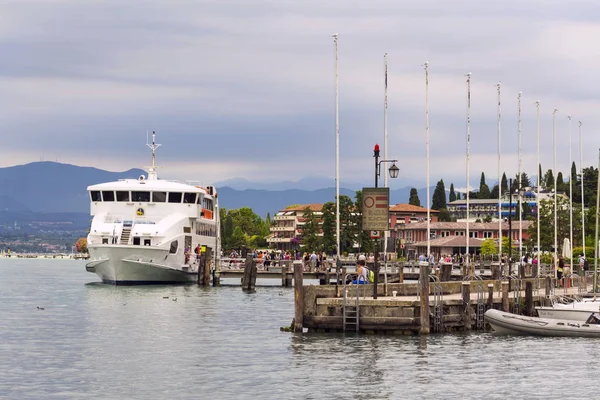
x,y
146,230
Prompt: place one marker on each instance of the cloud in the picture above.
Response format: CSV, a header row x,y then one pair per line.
x,y
238,88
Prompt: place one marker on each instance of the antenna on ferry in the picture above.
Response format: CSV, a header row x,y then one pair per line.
x,y
153,147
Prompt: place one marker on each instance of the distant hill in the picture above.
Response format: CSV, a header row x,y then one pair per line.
x,y
52,187
270,201
48,190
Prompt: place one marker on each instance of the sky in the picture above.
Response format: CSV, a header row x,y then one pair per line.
x,y
246,88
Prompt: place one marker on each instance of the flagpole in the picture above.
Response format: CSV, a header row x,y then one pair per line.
x,y
582,200
596,235
468,160
427,157
499,179
570,195
385,147
537,201
519,186
555,196
337,151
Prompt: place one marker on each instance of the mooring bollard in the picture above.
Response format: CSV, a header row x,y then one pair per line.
x,y
505,306
249,278
528,298
490,302
466,297
298,298
424,278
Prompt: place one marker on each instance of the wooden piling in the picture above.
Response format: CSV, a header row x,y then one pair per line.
x,y
400,272
528,298
250,270
490,301
424,278
200,277
505,285
495,271
446,272
206,270
466,298
548,287
299,298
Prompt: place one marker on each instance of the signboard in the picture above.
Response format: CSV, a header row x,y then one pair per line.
x,y
376,209
375,234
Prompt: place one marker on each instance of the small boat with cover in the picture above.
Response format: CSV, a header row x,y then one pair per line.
x,y
513,324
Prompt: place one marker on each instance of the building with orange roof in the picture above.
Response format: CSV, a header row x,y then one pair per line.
x,y
288,223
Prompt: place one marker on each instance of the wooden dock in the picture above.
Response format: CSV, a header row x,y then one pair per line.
x,y
451,306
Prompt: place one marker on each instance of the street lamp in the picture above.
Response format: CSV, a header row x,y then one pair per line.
x,y
393,171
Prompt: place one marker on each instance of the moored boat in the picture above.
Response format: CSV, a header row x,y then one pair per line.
x,y
579,310
151,231
513,324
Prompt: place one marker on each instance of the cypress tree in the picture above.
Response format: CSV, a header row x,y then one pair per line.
x,y
452,195
414,198
439,196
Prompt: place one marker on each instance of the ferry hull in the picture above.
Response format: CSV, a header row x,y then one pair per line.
x,y
143,266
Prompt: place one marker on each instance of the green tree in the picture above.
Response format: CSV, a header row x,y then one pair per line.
x,y
549,180
329,228
525,181
540,177
250,223
560,183
348,224
503,184
452,195
488,247
227,233
547,224
238,239
573,177
310,231
444,215
414,198
439,196
365,243
494,192
484,190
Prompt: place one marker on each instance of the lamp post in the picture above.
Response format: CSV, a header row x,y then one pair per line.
x,y
393,171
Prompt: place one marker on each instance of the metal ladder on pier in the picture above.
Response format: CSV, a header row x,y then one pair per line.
x,y
350,310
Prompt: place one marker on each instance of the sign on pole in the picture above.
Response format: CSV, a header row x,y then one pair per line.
x,y
376,209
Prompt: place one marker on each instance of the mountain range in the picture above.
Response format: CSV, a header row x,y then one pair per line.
x,y
60,190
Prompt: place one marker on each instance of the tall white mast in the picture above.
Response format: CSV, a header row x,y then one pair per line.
x,y
537,197
570,194
555,195
468,157
499,178
519,186
337,151
153,146
427,156
385,143
582,202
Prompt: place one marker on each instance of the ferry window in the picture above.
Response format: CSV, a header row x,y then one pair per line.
x,y
189,198
104,240
146,242
209,204
122,196
96,195
173,248
174,197
159,197
108,195
200,199
136,240
140,196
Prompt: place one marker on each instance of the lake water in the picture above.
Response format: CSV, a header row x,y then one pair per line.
x,y
95,341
